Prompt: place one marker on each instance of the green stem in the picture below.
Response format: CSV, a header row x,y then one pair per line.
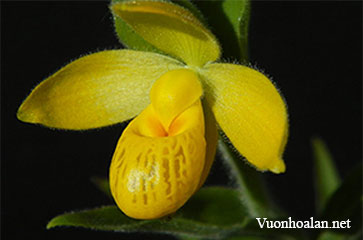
x,y
243,35
249,182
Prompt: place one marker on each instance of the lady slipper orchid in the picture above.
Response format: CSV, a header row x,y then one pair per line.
x,y
177,98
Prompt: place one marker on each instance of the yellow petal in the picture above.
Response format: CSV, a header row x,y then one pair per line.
x,y
152,174
174,92
170,28
250,111
96,90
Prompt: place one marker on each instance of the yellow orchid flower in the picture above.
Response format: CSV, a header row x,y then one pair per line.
x,y
165,153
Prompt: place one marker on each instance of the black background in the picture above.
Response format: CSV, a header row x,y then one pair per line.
x,y
313,50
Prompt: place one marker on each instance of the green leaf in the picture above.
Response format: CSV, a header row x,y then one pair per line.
x,y
238,14
328,235
253,231
248,238
326,175
250,184
346,202
189,238
280,237
102,184
231,25
211,213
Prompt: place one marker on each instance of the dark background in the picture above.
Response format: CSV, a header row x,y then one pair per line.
x,y
312,50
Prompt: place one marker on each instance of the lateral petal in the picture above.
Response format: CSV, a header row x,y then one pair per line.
x,y
251,112
97,90
170,28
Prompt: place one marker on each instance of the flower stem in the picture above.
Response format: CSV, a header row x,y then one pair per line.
x,y
249,182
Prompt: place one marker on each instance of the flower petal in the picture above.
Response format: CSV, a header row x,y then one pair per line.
x,y
153,175
96,90
250,111
174,92
170,28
